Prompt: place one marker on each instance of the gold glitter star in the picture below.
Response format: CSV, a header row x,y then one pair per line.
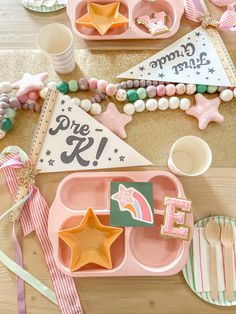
x,y
26,175
209,20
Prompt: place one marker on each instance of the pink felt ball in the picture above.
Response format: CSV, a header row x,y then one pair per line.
x,y
93,83
111,89
23,98
170,89
102,84
180,89
33,95
161,90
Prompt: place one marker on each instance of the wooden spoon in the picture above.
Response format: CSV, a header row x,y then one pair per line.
x,y
212,233
227,239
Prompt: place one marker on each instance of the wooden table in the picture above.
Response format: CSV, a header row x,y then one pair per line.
x,y
216,194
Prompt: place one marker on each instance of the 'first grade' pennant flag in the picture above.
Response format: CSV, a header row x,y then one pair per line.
x,y
194,58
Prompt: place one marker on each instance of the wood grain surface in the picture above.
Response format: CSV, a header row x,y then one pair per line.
x,y
213,193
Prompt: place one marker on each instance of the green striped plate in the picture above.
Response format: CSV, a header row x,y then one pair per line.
x,y
188,270
43,9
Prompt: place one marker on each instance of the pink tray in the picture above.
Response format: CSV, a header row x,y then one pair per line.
x,y
131,9
139,251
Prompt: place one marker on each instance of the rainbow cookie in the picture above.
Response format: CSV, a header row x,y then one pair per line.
x,y
131,204
155,23
175,217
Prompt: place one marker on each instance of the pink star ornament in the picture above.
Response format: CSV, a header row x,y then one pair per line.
x,y
206,111
30,82
114,120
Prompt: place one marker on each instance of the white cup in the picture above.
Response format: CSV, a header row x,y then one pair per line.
x,y
189,156
56,41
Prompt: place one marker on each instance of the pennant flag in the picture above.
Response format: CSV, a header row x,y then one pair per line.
x,y
194,58
76,141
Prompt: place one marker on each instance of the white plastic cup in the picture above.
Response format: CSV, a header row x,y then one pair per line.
x,y
56,41
189,156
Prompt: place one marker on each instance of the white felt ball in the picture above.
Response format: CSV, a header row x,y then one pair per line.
x,y
139,105
234,91
226,95
95,109
5,87
86,104
52,85
184,104
173,102
163,103
191,89
129,109
121,95
151,104
2,134
43,92
76,101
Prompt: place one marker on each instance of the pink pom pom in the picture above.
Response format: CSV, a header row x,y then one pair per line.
x,y
161,90
23,98
170,89
93,83
102,84
33,95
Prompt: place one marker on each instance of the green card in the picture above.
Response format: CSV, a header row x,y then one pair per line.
x,y
131,204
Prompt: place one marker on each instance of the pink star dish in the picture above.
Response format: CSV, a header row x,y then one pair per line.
x,y
114,120
30,82
124,196
206,111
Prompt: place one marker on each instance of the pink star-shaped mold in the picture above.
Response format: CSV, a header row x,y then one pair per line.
x,y
30,82
206,111
114,120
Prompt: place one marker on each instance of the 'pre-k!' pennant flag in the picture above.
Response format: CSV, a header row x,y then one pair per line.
x,y
76,141
191,59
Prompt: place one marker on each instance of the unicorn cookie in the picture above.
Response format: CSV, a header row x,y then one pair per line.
x,y
155,22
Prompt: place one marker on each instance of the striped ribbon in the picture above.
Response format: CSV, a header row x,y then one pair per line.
x,y
34,217
194,12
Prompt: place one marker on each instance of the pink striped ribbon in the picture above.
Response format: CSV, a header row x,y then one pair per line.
x,y
194,12
34,217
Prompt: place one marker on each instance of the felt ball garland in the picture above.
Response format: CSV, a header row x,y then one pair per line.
x,y
140,95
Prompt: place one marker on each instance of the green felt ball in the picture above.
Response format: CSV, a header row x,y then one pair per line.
x,y
201,88
63,87
10,113
6,125
132,95
73,86
211,89
142,94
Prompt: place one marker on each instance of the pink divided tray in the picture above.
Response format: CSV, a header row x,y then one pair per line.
x,y
138,251
131,9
